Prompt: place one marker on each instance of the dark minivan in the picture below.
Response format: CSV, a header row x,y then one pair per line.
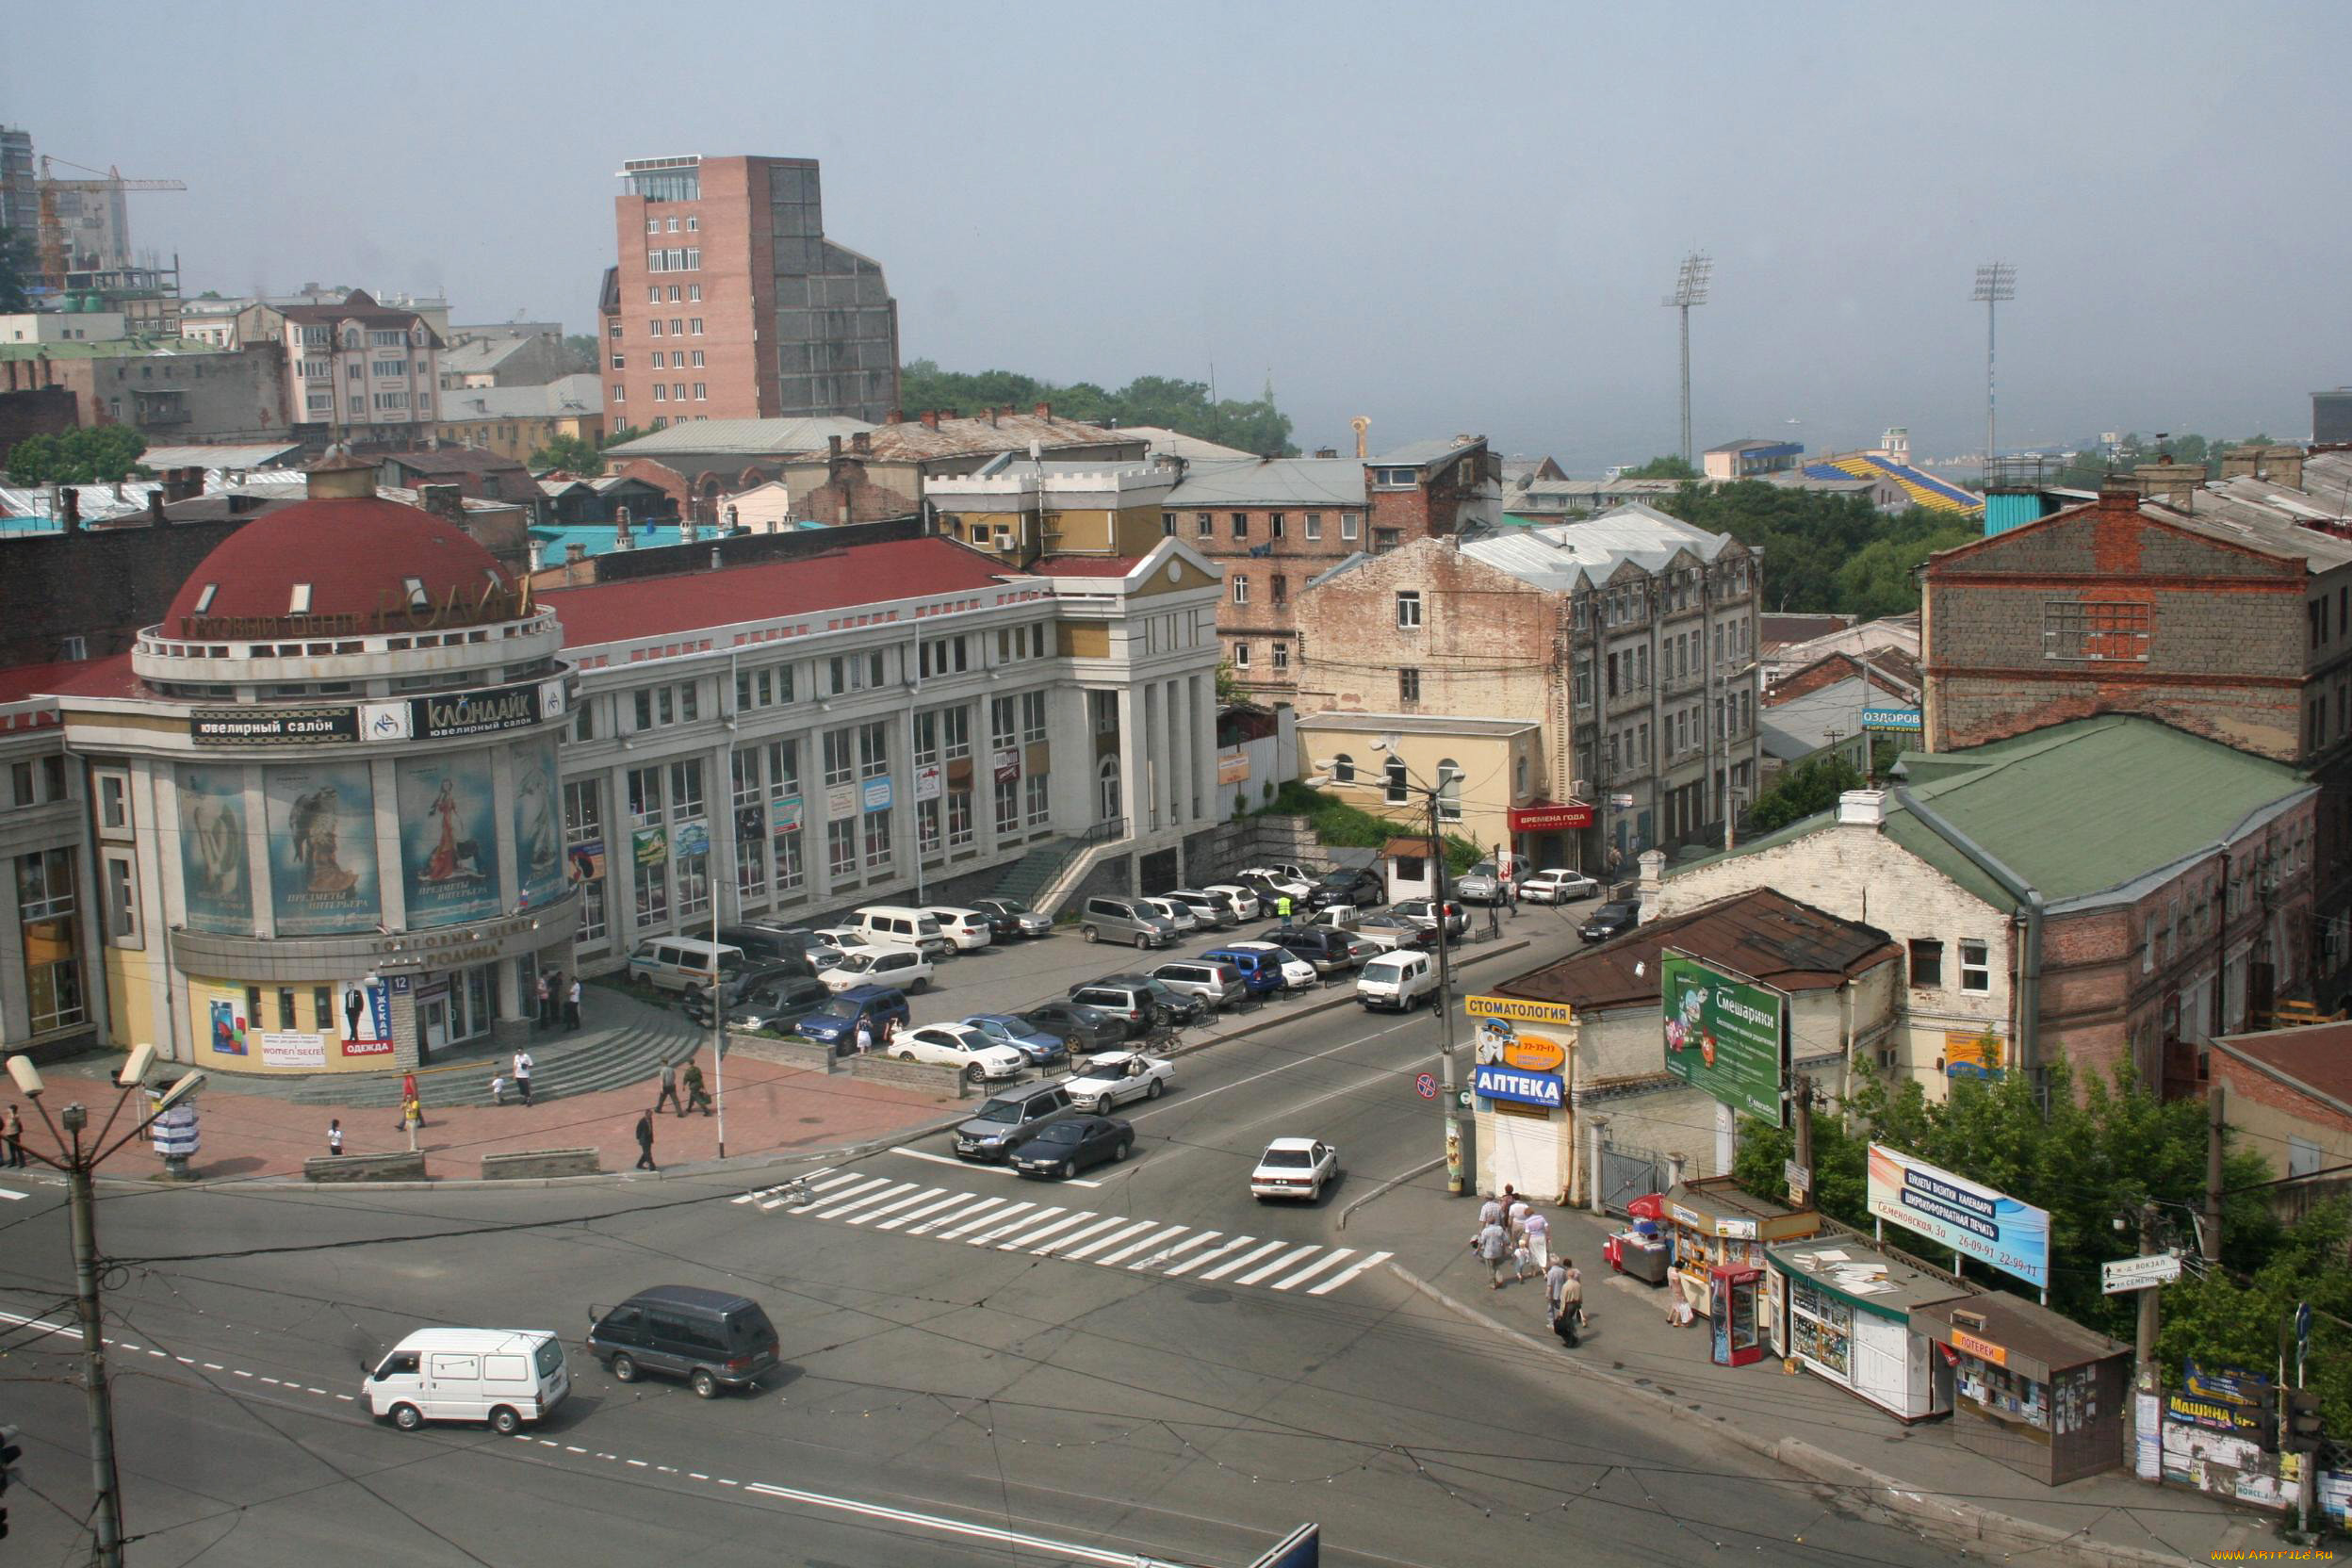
x,y
713,1339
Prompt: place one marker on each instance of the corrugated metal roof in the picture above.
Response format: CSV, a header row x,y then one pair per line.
x,y
1303,481
1175,443
1416,454
741,437
1560,557
1762,933
564,397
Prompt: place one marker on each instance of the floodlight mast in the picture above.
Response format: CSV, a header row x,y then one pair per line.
x,y
1689,289
1996,281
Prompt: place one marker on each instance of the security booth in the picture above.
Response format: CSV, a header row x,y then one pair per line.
x,y
1846,1317
2032,1390
1733,1331
1714,1220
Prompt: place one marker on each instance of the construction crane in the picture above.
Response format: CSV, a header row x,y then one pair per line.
x,y
54,260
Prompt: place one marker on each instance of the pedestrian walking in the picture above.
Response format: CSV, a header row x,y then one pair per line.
x,y
545,992
571,1005
1555,1281
408,1098
645,1141
523,1064
865,1034
334,1136
1490,1211
669,1091
1494,1245
1568,1320
1538,1232
555,1001
12,1129
890,1034
1515,1217
696,1099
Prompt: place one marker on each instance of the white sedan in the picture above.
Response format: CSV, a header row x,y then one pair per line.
x,y
879,965
841,939
959,1045
1245,902
1294,1168
1119,1077
1557,886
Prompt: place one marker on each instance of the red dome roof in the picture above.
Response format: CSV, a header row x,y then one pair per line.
x,y
358,556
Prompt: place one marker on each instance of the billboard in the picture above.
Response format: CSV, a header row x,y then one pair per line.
x,y
217,882
1726,1038
1974,1221
322,848
538,822
365,1021
448,838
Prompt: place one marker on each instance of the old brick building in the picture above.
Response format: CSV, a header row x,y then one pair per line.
x,y
2222,610
729,301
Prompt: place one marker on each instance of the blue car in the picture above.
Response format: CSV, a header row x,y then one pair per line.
x,y
836,1024
1042,1048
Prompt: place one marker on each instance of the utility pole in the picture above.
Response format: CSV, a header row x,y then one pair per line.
x,y
1996,281
2216,1116
1449,1104
1690,290
2144,1357
1804,1138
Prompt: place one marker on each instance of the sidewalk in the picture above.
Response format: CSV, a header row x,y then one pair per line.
x,y
1800,1421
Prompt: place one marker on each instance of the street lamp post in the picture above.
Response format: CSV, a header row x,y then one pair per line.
x,y
1449,1104
80,1161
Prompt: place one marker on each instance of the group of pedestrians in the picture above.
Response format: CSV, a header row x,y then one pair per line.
x,y
695,1098
559,1004
1516,1237
521,1068
866,1040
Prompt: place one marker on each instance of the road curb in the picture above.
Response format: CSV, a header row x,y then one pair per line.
x,y
1388,1186
1334,997
1962,1521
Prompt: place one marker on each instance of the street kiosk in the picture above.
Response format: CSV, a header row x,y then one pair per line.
x,y
1847,1320
1714,1220
2034,1390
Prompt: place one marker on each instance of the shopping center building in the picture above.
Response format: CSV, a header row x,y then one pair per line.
x,y
360,788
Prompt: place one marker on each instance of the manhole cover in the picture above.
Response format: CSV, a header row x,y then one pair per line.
x,y
1209,1298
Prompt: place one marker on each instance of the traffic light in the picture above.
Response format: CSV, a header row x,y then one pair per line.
x,y
2302,1435
9,1454
2270,1414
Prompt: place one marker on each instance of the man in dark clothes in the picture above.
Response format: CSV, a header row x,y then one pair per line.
x,y
645,1141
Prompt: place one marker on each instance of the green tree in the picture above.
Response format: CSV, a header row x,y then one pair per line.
x,y
1881,578
1254,425
1665,465
1809,538
1813,785
16,265
569,453
96,454
2223,1318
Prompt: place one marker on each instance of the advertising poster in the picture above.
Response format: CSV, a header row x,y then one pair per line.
x,y
1974,1221
587,860
448,838
650,845
228,1028
784,814
291,1048
1725,1038
218,883
1514,1063
690,839
538,822
364,1019
322,848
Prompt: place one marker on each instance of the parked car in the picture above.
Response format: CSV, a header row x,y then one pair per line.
x,y
1398,981
904,967
1272,893
1008,1119
1043,1047
1179,915
1394,932
1123,920
674,963
780,1004
836,1022
1613,918
786,947
1483,883
1329,951
1254,958
1558,884
1294,1168
506,1376
1220,985
969,929
1143,1004
841,939
1423,910
734,986
1013,919
1083,1029
1244,899
1360,889
1213,910
1261,968
898,924
959,1045
1067,1146
1295,880
1119,1077
713,1339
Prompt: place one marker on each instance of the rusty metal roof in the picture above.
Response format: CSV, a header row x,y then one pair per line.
x,y
1762,934
914,441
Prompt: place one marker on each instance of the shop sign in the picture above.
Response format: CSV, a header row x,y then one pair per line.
x,y
273,726
930,782
1689,1221
484,712
784,815
1496,1082
1892,718
1735,1230
387,721
292,1050
877,795
1974,1220
2218,1416
1518,1010
443,947
1007,764
1550,819
1727,1039
1983,1349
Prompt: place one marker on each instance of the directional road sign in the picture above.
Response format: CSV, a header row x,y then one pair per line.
x,y
2143,1273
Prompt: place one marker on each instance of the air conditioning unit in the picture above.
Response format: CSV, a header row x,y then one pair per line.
x,y
1580,788
1886,1058
1007,544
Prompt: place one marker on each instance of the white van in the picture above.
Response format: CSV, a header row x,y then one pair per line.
x,y
506,1376
896,925
681,963
1397,980
969,929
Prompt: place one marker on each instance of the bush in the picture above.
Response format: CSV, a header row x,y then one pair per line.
x,y
1340,826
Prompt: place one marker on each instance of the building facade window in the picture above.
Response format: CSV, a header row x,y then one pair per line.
x,y
45,905
1409,610
1408,685
1927,964
584,840
1976,967
1396,790
2075,631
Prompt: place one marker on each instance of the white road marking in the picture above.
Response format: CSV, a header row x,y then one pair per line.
x,y
1039,1234
1350,1272
956,1232
979,1169
1243,1261
835,1197
1316,1267
1191,1263
13,1196
901,1203
1112,1260
42,1324
1017,1540
1114,1238
1094,1229
948,1202
964,1210
867,1201
1201,1240
1276,1266
986,1238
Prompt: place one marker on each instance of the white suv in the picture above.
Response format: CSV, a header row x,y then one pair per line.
x,y
906,967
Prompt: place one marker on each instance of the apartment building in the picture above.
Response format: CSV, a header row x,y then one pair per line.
x,y
357,370
727,302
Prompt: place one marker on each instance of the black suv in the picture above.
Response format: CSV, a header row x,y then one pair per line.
x,y
1327,948
1010,1119
1613,918
713,1339
738,986
1140,1001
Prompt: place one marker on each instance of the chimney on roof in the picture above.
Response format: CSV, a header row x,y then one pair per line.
x,y
930,419
2175,483
861,442
443,501
2115,496
573,554
733,518
340,477
1862,809
68,509
690,525
895,417
832,448
181,484
1045,410
624,536
155,507
992,416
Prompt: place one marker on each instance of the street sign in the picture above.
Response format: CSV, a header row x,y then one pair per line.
x,y
2144,1273
1462,1098
1890,718
1621,802
1800,1179
1425,1087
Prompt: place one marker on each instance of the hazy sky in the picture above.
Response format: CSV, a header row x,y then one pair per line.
x,y
1448,217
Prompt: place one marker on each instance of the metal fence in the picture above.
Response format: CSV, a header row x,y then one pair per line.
x,y
1627,1174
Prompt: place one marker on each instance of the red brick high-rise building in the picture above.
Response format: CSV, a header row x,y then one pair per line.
x,y
728,302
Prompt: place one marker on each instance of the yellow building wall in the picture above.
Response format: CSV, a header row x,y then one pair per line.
x,y
131,1016
1488,765
230,1041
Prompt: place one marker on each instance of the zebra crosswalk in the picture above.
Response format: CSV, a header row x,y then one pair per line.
x,y
1007,1222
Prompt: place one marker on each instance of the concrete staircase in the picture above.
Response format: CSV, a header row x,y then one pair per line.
x,y
630,1051
1025,880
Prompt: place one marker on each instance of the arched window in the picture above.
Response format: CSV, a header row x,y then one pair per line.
x,y
1519,774
1343,769
1397,795
1449,789
1108,795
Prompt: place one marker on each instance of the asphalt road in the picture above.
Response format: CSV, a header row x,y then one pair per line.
x,y
1059,1374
